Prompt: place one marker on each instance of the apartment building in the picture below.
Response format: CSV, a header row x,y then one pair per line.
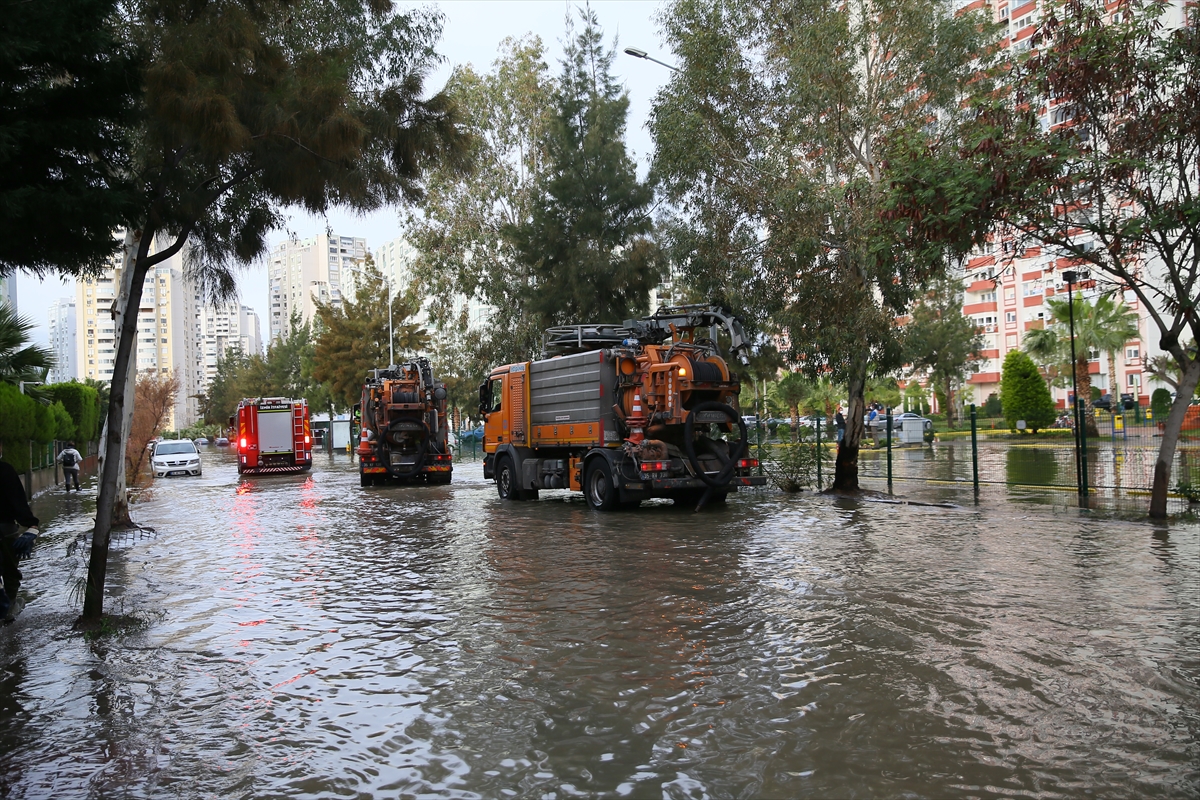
x,y
169,338
63,341
1006,287
395,259
225,327
303,273
8,290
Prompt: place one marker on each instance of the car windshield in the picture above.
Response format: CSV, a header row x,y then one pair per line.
x,y
174,448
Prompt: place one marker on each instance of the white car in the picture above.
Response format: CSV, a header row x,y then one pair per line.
x,y
175,458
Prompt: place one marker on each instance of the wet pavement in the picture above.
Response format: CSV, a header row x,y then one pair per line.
x,y
305,637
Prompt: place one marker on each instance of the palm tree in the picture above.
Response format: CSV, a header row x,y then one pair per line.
x,y
1104,325
790,391
20,361
1115,325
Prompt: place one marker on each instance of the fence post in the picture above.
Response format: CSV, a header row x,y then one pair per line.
x,y
758,430
1083,476
889,449
974,454
818,452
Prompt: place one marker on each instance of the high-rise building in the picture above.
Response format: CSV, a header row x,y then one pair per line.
x,y
225,327
306,272
1005,286
63,341
169,338
395,260
8,290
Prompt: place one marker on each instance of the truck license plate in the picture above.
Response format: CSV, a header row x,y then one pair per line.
x,y
711,416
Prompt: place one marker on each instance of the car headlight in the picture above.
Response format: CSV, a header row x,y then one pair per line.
x,y
193,460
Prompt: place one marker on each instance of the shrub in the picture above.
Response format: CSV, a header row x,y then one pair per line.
x,y
83,404
992,407
1160,404
792,467
1024,394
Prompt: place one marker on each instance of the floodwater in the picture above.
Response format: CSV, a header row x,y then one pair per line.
x,y
308,638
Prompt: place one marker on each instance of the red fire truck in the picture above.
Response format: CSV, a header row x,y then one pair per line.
x,y
273,436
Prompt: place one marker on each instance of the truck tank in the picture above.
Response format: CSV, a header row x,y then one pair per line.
x,y
622,413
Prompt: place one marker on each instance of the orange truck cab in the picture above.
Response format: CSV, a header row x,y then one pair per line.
x,y
274,435
622,413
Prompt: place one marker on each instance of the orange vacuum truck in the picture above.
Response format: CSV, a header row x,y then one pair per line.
x,y
622,413
403,416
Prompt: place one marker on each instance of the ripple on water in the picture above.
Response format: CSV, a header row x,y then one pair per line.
x,y
312,638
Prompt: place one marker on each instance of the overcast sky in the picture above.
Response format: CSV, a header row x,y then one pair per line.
x,y
472,34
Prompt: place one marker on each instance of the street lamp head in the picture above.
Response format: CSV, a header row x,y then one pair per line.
x,y
635,52
1070,276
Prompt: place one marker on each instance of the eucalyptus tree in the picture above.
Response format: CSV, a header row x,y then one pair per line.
x,y
773,143
458,230
247,107
943,342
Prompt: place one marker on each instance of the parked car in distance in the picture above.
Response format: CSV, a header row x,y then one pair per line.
x,y
175,458
221,441
201,441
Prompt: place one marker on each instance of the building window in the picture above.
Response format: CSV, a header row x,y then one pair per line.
x,y
1031,288
1010,293
1010,341
1132,352
987,297
1133,379
1010,316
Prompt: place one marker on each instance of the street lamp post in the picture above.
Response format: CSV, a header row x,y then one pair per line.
x,y
637,52
1071,276
391,330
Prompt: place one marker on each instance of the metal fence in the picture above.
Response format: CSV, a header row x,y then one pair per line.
x,y
1116,462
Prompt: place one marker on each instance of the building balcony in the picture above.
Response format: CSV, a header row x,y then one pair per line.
x,y
984,377
1034,300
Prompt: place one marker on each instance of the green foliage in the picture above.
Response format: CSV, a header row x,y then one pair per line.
x,y
1160,404
916,397
792,467
587,241
459,230
64,155
1189,491
772,143
64,426
82,403
353,338
19,359
1024,393
943,342
992,407
18,423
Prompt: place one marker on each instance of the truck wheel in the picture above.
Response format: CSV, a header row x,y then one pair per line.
x,y
598,486
506,480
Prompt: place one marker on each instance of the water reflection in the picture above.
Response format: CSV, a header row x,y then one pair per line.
x,y
1032,466
317,639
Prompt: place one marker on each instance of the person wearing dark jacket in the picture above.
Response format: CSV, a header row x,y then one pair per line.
x,y
14,514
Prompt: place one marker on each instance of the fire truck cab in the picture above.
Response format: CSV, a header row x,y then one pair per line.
x,y
273,435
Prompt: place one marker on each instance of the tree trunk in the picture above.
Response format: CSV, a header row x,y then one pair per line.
x,y
845,468
1114,397
1084,379
795,423
110,497
948,392
1188,381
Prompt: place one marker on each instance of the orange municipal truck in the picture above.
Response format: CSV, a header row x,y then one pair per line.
x,y
273,435
623,413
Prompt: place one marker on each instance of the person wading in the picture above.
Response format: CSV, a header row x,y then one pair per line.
x,y
14,514
70,459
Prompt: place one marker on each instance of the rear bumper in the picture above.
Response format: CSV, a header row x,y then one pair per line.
x,y
668,484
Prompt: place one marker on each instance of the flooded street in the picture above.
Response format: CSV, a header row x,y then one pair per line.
x,y
309,638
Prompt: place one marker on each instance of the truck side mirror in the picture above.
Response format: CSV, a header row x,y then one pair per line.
x,y
485,398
